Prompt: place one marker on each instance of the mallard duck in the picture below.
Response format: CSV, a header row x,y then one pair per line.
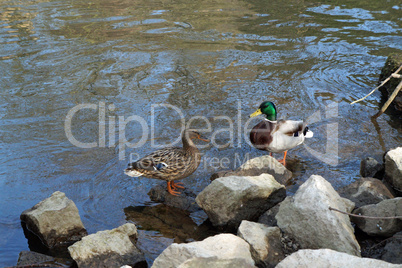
x,y
169,164
277,136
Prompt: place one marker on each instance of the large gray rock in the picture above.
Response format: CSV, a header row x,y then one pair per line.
x,y
257,166
265,243
366,191
369,167
308,258
306,217
55,221
223,247
381,227
229,200
393,168
111,248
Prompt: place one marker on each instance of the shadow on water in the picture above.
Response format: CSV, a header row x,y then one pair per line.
x,y
218,60
170,222
173,224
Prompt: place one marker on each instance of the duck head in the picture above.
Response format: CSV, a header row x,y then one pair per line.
x,y
267,108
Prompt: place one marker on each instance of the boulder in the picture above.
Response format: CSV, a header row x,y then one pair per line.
x,y
392,249
369,167
330,258
393,62
381,227
110,248
229,200
257,166
393,168
306,217
223,248
366,191
265,243
184,201
268,218
56,222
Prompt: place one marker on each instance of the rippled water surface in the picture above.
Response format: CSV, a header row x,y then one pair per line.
x,y
163,63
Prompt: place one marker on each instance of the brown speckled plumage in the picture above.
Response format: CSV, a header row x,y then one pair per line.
x,y
169,164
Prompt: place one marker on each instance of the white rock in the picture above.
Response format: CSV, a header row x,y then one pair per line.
x,y
265,242
110,248
393,167
222,246
309,258
267,164
307,218
229,200
214,262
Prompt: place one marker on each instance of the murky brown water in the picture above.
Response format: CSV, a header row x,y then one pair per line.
x,y
165,62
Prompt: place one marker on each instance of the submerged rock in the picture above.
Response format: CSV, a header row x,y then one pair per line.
x,y
393,168
306,217
366,191
257,166
224,248
56,222
229,200
369,167
111,248
330,258
170,222
265,243
381,227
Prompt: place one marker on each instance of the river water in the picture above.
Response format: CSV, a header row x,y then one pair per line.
x,y
84,86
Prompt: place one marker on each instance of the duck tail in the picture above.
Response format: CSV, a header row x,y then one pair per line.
x,y
132,170
308,133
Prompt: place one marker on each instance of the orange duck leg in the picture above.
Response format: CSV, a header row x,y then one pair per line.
x,y
171,187
283,161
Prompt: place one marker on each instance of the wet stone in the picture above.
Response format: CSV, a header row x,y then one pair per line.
x,y
184,201
369,167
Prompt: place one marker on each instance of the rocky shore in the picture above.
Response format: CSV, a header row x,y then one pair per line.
x,y
256,224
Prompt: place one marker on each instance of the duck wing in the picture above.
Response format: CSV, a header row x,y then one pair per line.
x,y
164,163
291,128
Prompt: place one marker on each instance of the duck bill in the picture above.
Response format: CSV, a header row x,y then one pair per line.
x,y
258,112
203,139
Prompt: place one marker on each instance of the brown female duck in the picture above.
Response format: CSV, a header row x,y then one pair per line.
x,y
277,136
169,164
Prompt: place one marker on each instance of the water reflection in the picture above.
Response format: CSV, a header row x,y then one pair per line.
x,y
208,59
